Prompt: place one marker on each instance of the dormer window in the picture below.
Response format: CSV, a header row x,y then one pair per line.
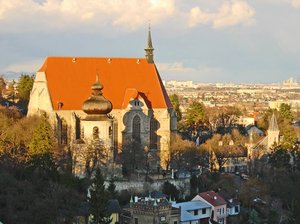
x,y
59,105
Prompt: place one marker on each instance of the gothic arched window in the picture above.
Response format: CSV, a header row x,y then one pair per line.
x,y
59,130
62,131
77,128
153,134
95,133
136,128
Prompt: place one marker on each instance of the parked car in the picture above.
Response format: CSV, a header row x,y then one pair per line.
x,y
244,176
259,201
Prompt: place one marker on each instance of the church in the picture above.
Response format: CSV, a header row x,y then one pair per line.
x,y
113,100
265,145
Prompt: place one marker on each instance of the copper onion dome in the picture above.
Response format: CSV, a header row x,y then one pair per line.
x,y
97,104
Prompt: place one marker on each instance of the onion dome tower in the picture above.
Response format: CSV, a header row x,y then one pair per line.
x,y
97,125
97,105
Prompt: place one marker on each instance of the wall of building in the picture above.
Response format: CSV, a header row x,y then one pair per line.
x,y
39,97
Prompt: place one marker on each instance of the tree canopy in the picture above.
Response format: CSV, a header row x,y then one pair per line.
x,y
24,86
195,113
42,141
285,111
176,106
98,200
2,85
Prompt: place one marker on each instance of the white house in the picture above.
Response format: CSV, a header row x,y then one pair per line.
x,y
194,212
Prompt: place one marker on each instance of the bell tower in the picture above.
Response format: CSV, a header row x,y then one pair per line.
x,y
273,132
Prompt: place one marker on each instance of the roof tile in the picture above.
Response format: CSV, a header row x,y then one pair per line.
x,y
70,79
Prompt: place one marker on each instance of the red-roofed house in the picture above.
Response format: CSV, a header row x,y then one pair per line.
x,y
141,108
219,205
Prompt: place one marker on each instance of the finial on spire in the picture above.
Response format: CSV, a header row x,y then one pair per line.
x,y
97,76
149,48
97,86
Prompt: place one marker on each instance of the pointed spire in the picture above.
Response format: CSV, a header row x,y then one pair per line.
x,y
97,86
273,124
97,77
149,40
149,48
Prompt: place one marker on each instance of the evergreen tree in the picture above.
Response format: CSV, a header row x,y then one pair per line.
x,y
253,217
170,190
285,111
112,189
42,141
99,200
2,85
176,106
24,86
195,113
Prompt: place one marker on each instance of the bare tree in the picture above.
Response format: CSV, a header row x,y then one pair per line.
x,y
184,154
222,148
90,156
221,117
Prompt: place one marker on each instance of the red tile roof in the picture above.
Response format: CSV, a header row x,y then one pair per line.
x,y
213,198
70,80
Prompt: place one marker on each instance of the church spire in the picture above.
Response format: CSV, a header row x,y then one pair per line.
x,y
273,133
273,124
149,48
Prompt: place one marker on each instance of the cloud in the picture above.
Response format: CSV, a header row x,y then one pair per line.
x,y
179,71
230,13
25,66
295,3
130,14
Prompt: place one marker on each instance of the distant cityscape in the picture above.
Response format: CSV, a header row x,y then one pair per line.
x,y
247,97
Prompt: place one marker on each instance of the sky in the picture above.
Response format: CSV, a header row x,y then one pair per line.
x,y
237,41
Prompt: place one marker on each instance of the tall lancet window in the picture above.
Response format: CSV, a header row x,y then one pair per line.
x,y
77,128
62,131
59,130
153,134
136,128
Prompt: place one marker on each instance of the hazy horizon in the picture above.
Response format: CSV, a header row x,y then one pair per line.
x,y
221,41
